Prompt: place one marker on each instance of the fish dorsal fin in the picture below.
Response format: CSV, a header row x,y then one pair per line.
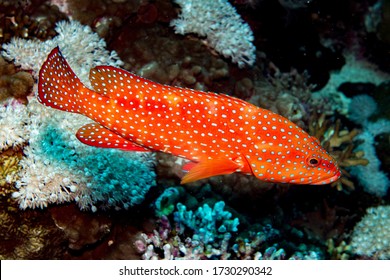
x,y
209,168
114,82
96,135
232,99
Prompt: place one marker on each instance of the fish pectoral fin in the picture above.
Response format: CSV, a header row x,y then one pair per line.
x,y
96,135
209,168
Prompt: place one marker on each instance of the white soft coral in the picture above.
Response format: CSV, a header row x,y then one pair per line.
x,y
224,29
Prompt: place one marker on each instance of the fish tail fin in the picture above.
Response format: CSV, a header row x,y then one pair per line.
x,y
58,86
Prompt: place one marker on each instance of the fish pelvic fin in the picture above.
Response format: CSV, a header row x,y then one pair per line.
x,y
209,168
96,135
58,85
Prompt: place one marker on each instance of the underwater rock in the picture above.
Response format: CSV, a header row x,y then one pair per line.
x,y
80,228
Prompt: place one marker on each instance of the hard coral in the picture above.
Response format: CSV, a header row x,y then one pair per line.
x,y
339,143
28,235
371,236
155,53
14,83
210,234
80,228
100,8
31,20
283,93
211,230
8,170
371,176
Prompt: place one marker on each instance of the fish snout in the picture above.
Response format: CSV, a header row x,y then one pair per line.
x,y
336,175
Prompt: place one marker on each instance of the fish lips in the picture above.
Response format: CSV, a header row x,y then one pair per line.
x,y
328,180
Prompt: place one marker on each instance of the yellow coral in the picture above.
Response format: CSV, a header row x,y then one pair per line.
x,y
9,168
342,251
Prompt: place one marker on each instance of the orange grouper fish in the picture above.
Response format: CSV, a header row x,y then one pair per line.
x,y
219,134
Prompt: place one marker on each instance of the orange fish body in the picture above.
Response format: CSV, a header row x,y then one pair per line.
x,y
219,134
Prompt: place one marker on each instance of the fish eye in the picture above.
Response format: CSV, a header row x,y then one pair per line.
x,y
313,162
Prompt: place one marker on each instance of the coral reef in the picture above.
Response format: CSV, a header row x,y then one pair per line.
x,y
371,177
45,178
338,140
82,48
284,93
212,229
354,71
9,169
319,66
28,235
28,19
210,234
370,237
155,53
57,168
80,229
14,132
13,83
224,29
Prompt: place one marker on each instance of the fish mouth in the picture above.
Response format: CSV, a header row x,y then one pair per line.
x,y
328,180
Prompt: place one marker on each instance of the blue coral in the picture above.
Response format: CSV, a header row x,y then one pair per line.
x,y
371,177
208,224
115,178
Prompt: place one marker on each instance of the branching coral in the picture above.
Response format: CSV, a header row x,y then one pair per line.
x,y
211,230
342,251
340,144
209,233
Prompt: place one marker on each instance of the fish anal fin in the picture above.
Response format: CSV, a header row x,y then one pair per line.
x,y
209,168
96,135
